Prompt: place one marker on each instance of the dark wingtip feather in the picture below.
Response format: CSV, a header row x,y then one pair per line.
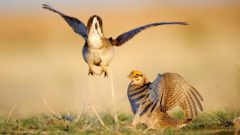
x,y
180,23
169,23
45,5
184,23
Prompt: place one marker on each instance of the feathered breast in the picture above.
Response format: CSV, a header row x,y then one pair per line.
x,y
136,95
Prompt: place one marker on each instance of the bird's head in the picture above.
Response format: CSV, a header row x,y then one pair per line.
x,y
137,78
95,23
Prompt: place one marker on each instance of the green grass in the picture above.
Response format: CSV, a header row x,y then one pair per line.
x,y
89,124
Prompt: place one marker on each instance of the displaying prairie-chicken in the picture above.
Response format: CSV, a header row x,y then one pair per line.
x,y
99,50
150,101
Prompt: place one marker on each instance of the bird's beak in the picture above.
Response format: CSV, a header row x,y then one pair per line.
x,y
130,76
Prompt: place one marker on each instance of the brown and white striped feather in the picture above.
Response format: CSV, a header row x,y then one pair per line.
x,y
176,91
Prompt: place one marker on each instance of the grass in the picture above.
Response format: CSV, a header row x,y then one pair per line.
x,y
89,124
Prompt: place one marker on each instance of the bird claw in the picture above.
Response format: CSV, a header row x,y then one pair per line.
x,y
103,71
90,72
105,74
163,108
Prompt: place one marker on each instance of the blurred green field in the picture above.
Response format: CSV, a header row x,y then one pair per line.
x,y
206,123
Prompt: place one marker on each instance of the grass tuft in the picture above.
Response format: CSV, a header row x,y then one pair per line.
x,y
206,123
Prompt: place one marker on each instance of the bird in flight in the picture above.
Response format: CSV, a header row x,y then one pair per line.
x,y
98,50
150,101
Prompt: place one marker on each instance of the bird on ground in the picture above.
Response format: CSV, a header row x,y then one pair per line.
x,y
99,50
151,101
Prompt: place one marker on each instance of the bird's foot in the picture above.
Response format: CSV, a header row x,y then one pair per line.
x,y
105,74
90,72
103,71
163,108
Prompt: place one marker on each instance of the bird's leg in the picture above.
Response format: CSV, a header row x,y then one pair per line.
x,y
90,71
104,70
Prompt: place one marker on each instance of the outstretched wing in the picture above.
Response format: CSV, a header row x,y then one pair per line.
x,y
176,91
149,103
154,92
121,39
76,24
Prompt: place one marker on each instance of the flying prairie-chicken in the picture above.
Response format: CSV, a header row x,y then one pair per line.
x,y
99,50
150,101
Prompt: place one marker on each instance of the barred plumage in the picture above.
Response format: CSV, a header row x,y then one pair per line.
x,y
151,101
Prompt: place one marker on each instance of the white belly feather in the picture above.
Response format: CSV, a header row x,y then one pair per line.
x,y
94,40
102,56
97,53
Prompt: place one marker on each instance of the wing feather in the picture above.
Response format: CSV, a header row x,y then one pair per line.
x,y
198,103
153,90
193,105
174,102
73,22
188,110
121,39
170,90
177,91
196,93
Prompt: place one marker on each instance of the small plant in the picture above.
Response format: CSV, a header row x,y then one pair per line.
x,y
206,123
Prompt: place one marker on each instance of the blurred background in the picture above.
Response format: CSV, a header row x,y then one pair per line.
x,y
40,55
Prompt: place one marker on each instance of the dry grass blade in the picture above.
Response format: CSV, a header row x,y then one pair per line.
x,y
211,119
50,108
99,118
216,117
80,114
235,110
78,117
113,97
12,110
84,106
